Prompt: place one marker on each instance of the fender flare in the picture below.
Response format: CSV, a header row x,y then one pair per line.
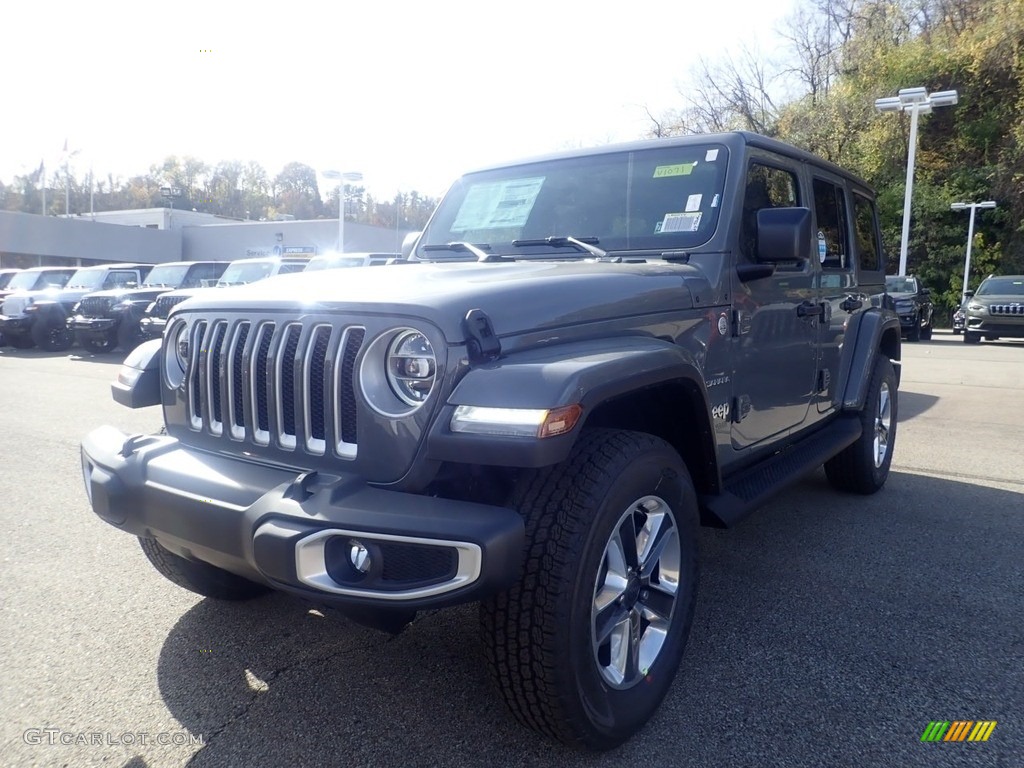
x,y
873,332
588,373
138,382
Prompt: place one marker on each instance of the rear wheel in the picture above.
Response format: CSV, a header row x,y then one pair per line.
x,y
863,467
199,577
585,647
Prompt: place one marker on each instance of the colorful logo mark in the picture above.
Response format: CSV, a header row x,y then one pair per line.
x,y
958,730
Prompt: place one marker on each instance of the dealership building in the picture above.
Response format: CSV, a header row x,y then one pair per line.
x,y
157,235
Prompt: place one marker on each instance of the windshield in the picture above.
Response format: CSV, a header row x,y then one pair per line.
x,y
166,276
5,278
1001,286
648,199
33,281
240,273
901,284
87,279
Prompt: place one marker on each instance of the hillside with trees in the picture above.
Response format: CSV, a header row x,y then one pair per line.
x,y
229,188
844,54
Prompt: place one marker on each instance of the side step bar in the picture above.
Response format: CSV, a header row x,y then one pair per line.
x,y
746,491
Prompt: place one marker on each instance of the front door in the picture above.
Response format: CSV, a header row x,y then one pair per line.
x,y
777,320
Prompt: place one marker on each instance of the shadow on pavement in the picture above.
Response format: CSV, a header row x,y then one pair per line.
x,y
830,630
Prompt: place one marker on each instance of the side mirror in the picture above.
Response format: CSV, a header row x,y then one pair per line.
x,y
968,294
783,234
409,243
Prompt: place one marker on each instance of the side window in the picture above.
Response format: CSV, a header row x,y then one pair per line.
x,y
833,229
866,233
121,279
286,268
200,272
767,187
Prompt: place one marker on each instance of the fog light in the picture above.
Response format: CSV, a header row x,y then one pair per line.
x,y
359,556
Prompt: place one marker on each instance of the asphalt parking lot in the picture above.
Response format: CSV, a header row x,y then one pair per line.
x,y
830,629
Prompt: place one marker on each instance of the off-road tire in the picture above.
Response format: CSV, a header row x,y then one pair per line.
x,y
860,468
539,635
52,335
20,341
926,332
128,334
199,577
972,338
97,344
914,334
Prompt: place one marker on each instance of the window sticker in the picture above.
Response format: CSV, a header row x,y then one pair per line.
x,y
711,156
822,247
693,202
681,169
679,222
714,201
498,204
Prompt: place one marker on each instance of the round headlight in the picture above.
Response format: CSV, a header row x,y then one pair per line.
x,y
175,354
411,366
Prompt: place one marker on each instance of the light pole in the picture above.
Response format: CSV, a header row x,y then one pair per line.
x,y
916,101
341,178
170,194
970,238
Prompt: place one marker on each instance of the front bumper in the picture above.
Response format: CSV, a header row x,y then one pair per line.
x,y
12,326
91,324
297,531
152,327
992,326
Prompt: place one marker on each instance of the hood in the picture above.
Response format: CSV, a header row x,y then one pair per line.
x,y
997,298
127,294
517,296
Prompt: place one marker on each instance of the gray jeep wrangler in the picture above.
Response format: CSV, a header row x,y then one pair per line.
x,y
598,352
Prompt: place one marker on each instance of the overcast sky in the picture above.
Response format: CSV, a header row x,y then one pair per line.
x,y
410,94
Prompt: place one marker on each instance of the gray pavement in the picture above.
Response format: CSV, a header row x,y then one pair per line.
x,y
830,629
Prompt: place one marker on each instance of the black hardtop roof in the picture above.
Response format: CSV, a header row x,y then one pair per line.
x,y
734,140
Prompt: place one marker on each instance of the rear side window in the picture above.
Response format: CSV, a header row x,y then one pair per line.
x,y
833,229
866,232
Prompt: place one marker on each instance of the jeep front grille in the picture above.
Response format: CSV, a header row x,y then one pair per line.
x,y
164,304
283,384
95,306
1012,310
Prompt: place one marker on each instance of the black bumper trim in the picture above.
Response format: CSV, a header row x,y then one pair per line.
x,y
209,507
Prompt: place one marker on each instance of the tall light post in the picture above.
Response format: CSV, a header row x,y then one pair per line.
x,y
170,194
916,101
341,178
970,238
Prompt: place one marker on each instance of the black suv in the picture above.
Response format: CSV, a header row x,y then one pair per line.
x,y
104,320
995,310
597,352
913,305
238,272
23,291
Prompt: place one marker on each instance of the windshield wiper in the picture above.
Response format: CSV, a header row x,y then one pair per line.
x,y
582,244
480,251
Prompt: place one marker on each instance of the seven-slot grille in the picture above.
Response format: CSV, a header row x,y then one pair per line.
x,y
285,384
1007,309
164,305
95,306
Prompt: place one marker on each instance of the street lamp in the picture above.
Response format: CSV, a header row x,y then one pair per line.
x,y
170,194
341,179
970,238
916,101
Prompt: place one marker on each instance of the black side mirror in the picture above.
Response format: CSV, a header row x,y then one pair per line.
x,y
968,294
783,234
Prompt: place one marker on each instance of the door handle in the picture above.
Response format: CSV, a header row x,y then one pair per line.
x,y
807,309
850,303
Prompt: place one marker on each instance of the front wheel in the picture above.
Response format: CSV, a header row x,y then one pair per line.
x,y
95,343
914,334
586,645
971,338
926,332
199,577
863,467
52,335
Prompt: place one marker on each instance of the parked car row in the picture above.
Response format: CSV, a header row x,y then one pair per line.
x,y
112,306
